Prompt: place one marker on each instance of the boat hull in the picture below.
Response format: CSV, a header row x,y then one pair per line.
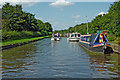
x,y
99,49
52,39
73,39
55,39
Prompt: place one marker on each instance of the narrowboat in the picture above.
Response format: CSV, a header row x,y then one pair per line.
x,y
74,37
55,37
96,43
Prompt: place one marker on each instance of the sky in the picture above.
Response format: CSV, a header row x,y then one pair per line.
x,y
63,14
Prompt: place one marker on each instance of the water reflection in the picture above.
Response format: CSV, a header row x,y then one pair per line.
x,y
53,43
74,46
105,65
17,60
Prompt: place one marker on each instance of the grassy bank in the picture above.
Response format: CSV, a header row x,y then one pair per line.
x,y
10,42
14,35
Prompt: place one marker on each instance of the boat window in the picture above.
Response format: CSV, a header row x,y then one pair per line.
x,y
87,38
83,38
104,38
55,35
97,39
72,35
78,35
75,35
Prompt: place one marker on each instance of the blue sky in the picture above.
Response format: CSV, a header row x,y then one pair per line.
x,y
66,15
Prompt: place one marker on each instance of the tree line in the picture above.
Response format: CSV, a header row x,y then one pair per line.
x,y
109,22
14,19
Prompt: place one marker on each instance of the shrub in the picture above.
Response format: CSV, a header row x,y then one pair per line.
x,y
27,34
39,33
117,40
13,34
111,37
8,35
50,33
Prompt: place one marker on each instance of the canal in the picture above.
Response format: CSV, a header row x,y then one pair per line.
x,y
57,59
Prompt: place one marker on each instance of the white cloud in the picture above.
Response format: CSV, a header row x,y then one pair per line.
x,y
76,21
102,13
61,3
76,16
17,1
40,18
20,2
58,3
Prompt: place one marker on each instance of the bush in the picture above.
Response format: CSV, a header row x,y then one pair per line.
x,y
117,40
13,34
111,37
27,34
39,33
50,33
8,35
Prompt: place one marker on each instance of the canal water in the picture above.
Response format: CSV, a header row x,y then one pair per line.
x,y
57,59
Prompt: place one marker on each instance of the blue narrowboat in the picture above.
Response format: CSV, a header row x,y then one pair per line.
x,y
96,43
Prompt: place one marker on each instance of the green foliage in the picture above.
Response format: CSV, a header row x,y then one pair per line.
x,y
10,42
50,33
18,24
8,35
110,21
111,37
117,40
45,28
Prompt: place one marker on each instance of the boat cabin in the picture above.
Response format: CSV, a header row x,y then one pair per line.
x,y
75,35
94,40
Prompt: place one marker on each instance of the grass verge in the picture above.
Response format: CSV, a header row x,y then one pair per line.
x,y
10,42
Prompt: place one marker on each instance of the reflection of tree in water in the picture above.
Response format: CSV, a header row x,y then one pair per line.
x,y
107,65
15,60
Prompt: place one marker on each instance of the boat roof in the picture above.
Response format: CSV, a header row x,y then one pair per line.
x,y
93,38
86,35
75,33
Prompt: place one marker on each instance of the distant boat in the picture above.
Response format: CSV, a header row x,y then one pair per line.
x,y
74,37
96,43
55,37
60,36
67,35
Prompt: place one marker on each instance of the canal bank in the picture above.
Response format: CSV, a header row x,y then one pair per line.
x,y
116,48
15,43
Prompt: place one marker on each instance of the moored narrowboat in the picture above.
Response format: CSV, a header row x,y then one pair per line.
x,y
74,37
96,43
